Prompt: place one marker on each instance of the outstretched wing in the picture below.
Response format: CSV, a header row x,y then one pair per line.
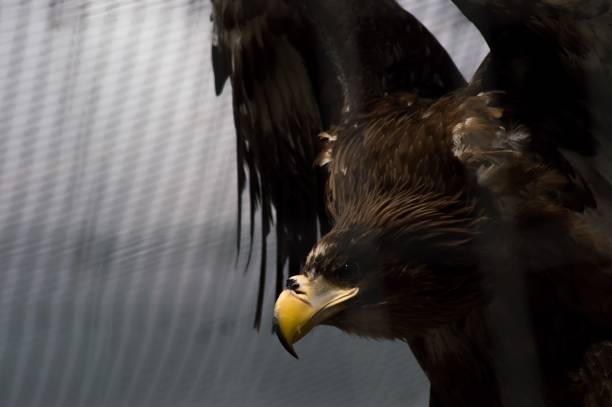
x,y
554,60
261,47
294,67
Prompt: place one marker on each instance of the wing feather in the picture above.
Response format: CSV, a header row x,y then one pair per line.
x,y
274,146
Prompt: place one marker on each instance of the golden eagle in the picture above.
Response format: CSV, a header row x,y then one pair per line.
x,y
457,217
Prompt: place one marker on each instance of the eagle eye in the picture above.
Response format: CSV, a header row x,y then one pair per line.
x,y
348,271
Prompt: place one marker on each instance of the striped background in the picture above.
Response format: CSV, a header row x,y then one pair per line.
x,y
117,217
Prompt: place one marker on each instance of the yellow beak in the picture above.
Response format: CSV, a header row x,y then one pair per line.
x,y
300,309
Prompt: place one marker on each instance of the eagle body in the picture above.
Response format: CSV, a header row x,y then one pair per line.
x,y
459,218
479,249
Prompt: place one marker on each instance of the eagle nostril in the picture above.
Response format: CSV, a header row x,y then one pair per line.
x,y
292,284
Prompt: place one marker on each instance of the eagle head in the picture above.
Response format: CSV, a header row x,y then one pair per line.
x,y
389,278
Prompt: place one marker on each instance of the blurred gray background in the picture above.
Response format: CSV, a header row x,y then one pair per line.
x,y
117,210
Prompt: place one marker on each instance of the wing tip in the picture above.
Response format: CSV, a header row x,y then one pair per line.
x,y
220,71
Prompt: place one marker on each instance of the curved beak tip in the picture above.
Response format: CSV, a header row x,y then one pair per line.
x,y
295,314
288,347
